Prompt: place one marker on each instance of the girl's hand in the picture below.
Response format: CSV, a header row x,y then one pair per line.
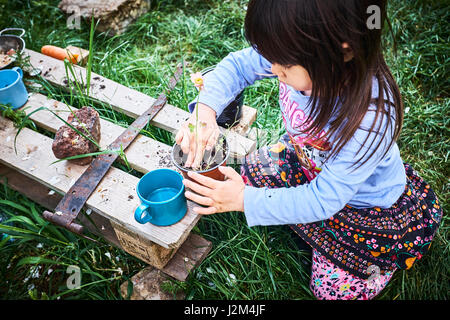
x,y
218,196
208,132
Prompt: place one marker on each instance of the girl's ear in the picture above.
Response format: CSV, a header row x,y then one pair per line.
x,y
348,52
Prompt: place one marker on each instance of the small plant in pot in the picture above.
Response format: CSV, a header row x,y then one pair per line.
x,y
212,160
213,157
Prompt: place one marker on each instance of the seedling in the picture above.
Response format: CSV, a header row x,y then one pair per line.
x,y
210,158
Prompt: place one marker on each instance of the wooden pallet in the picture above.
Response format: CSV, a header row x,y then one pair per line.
x,y
171,249
133,103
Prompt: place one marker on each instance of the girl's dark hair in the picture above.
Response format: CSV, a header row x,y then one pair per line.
x,y
310,33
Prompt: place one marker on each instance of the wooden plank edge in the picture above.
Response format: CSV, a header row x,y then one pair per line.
x,y
169,118
27,147
148,283
189,255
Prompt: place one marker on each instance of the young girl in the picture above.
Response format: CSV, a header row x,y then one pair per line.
x,y
336,177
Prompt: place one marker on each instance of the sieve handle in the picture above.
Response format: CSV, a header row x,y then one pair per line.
x,y
22,31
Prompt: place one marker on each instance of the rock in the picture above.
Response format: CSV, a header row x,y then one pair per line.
x,y
151,284
112,16
69,143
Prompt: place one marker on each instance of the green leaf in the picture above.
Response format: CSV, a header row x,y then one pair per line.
x,y
27,234
14,205
22,219
86,155
38,260
5,240
91,53
23,124
33,294
37,217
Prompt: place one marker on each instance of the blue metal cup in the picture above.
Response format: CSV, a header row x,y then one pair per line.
x,y
162,198
12,89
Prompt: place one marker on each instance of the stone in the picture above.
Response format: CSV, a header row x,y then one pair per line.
x,y
151,284
112,16
68,142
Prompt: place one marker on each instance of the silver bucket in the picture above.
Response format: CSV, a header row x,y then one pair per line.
x,y
9,41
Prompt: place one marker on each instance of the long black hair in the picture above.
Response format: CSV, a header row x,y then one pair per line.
x,y
310,33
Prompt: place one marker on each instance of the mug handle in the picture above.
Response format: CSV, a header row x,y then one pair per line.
x,y
19,71
138,214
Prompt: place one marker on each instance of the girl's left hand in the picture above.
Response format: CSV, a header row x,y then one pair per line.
x,y
218,196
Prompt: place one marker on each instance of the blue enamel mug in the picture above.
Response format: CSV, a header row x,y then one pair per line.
x,y
162,198
12,89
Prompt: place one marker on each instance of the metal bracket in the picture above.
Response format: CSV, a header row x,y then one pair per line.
x,y
71,204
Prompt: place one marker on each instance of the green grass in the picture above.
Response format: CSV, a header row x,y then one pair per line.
x,y
245,263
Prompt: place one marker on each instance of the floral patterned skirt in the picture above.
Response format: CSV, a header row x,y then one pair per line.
x,y
365,244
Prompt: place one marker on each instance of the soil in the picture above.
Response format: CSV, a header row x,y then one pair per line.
x,y
6,57
204,165
4,60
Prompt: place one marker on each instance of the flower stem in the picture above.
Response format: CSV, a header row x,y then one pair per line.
x,y
196,118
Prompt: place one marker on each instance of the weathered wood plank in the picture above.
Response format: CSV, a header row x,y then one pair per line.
x,y
49,199
126,100
115,197
144,154
83,54
191,253
248,117
147,283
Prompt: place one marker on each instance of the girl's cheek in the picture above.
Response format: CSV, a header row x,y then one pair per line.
x,y
302,85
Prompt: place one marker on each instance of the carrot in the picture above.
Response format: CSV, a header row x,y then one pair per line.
x,y
59,53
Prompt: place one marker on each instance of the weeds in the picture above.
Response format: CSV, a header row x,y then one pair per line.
x,y
245,263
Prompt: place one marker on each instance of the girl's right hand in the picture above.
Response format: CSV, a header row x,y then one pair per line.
x,y
208,132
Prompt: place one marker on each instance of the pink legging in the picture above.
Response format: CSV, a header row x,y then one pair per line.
x,y
329,282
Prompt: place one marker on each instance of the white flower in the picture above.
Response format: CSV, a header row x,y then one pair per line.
x,y
231,279
406,109
34,272
108,255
